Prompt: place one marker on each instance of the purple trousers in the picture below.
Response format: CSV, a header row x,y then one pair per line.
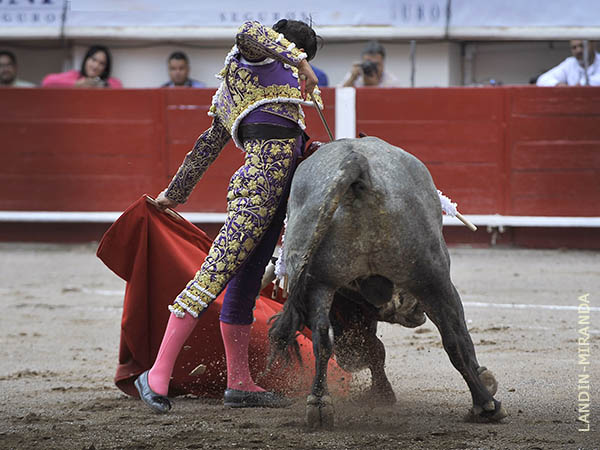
x,y
244,286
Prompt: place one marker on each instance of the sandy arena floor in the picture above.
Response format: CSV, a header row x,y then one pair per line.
x,y
59,335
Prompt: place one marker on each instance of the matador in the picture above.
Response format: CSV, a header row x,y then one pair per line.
x,y
258,105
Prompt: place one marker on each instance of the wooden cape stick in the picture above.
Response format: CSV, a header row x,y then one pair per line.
x,y
169,211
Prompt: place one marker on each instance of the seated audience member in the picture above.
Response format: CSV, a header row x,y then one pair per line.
x,y
179,71
94,72
370,72
321,76
571,72
8,71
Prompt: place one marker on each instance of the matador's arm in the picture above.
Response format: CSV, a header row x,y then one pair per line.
x,y
256,41
208,146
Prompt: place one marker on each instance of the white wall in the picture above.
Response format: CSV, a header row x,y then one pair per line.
x,y
515,62
146,66
142,64
433,63
36,59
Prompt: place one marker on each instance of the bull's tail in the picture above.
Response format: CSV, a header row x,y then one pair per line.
x,y
353,174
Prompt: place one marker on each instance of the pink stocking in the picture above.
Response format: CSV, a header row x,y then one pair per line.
x,y
236,339
177,332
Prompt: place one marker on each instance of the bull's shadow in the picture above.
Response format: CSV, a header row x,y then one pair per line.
x,y
364,243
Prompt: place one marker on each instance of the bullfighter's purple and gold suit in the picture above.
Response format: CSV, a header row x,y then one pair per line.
x,y
259,88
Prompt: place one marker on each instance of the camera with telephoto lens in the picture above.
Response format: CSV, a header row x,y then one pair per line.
x,y
369,68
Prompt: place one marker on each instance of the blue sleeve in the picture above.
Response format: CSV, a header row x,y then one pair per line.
x,y
321,76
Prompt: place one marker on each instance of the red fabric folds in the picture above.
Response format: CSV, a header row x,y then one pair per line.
x,y
157,255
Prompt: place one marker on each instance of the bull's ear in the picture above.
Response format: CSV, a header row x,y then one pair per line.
x,y
362,135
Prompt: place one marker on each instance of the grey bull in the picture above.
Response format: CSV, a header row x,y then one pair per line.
x,y
364,243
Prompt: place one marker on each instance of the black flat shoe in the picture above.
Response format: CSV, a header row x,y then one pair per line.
x,y
158,403
247,399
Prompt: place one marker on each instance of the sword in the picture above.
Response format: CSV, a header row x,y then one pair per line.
x,y
312,97
329,133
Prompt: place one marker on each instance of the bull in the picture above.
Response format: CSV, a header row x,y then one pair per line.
x,y
364,243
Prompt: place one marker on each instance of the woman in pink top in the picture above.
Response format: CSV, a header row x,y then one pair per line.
x,y
95,72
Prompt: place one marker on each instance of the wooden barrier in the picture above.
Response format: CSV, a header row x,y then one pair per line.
x,y
552,151
92,150
503,150
458,133
513,151
72,150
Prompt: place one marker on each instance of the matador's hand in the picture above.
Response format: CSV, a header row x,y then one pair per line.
x,y
162,202
306,73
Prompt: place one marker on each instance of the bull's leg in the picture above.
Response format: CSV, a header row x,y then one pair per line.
x,y
443,306
381,389
359,347
319,407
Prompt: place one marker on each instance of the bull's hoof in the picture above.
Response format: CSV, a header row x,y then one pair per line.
x,y
492,411
415,318
382,397
488,379
376,396
319,412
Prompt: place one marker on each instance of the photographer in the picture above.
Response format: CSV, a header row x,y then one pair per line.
x,y
370,72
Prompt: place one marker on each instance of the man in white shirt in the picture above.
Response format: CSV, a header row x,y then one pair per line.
x,y
571,72
370,72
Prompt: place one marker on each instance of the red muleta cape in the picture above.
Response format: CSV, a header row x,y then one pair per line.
x,y
157,255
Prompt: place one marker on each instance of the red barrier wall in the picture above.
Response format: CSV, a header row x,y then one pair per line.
x,y
92,150
74,150
458,133
505,150
552,151
513,151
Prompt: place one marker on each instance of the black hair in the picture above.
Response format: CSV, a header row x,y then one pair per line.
x,y
301,34
91,52
373,48
10,54
179,55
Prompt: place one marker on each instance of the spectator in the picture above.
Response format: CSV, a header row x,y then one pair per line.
x,y
179,71
94,72
321,76
571,72
8,71
370,72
